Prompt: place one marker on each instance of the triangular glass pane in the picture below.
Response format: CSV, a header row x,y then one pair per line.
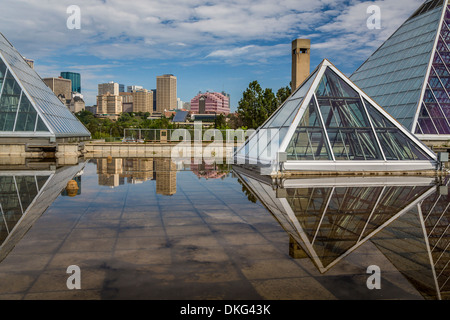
x,y
284,115
26,118
303,89
9,102
331,85
396,145
41,125
308,141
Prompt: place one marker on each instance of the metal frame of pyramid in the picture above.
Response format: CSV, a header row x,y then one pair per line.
x,y
29,110
350,132
409,74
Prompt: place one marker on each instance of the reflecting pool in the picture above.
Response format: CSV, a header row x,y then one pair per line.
x,y
143,228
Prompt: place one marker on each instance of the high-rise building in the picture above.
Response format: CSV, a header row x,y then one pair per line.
x,y
109,105
142,101
75,78
134,88
166,92
121,87
111,87
154,99
61,87
210,103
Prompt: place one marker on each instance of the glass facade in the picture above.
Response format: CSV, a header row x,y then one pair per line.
x,y
434,115
395,73
76,80
336,124
27,104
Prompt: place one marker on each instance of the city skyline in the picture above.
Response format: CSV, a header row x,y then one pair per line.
x,y
208,46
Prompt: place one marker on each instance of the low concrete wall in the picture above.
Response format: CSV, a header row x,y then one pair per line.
x,y
163,150
17,150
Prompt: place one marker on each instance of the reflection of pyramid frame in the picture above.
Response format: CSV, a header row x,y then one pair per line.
x,y
329,124
331,220
409,74
24,196
28,108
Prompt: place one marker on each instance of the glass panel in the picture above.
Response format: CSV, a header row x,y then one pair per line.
x,y
351,136
2,72
309,140
303,89
285,115
333,86
26,119
396,145
399,65
41,125
9,103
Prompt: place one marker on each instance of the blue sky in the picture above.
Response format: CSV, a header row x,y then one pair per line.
x,y
215,45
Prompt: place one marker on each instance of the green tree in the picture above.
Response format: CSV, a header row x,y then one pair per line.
x,y
283,94
256,105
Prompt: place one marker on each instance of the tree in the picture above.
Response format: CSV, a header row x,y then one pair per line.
x,y
283,94
256,105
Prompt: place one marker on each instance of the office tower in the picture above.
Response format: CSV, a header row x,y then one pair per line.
x,y
62,88
75,78
109,105
111,87
210,103
142,101
166,92
154,99
121,87
134,88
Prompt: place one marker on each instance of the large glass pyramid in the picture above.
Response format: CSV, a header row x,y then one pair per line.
x,y
408,75
28,108
329,124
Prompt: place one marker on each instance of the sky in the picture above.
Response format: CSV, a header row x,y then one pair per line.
x,y
209,45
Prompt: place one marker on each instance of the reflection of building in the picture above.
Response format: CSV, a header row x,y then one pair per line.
x,y
329,218
112,172
207,171
109,172
166,176
210,103
138,170
166,92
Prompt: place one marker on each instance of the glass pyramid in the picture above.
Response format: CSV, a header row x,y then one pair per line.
x,y
329,124
28,108
408,75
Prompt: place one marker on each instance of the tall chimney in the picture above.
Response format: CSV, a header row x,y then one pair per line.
x,y
300,61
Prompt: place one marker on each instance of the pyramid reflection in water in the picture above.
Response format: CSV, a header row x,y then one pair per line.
x,y
328,218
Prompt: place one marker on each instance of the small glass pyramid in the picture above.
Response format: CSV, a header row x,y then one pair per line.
x,y
329,124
